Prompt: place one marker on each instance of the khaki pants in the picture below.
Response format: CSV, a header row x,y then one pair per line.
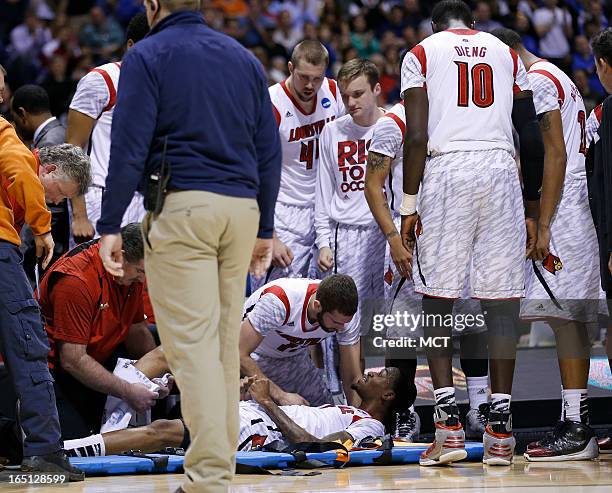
x,y
196,258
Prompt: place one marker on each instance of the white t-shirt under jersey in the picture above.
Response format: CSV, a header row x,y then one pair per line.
x,y
95,97
553,90
339,193
471,78
299,134
388,140
278,312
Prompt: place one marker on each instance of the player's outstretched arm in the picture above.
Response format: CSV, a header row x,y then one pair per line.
x,y
555,159
249,340
377,171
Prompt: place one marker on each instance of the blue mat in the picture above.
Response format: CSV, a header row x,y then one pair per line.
x,y
121,464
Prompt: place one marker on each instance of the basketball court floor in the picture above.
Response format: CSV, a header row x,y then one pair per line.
x,y
561,477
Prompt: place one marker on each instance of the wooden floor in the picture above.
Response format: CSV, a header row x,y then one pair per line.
x,y
563,477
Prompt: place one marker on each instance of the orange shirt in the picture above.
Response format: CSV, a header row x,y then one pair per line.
x,y
19,184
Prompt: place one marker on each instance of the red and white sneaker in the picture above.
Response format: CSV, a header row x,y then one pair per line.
x,y
498,442
605,445
449,442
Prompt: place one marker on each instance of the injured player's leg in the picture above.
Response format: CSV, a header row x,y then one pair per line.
x,y
151,438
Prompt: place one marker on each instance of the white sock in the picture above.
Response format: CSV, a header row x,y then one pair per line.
x,y
575,405
445,396
478,390
562,418
500,402
91,446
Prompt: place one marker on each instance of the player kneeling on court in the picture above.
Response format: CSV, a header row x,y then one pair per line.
x,y
282,320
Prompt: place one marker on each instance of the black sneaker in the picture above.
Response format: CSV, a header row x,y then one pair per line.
x,y
56,463
476,421
407,426
570,440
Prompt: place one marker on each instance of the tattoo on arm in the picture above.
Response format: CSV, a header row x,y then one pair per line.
x,y
545,122
391,234
377,162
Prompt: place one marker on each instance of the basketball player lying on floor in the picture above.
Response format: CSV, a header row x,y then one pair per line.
x,y
262,421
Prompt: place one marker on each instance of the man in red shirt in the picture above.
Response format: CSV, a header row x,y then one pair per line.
x,y
88,315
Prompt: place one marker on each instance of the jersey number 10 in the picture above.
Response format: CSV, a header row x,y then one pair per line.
x,y
482,84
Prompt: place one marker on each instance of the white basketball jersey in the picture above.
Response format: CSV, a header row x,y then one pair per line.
x,y
95,97
471,78
278,311
318,421
299,133
593,123
327,419
388,140
553,90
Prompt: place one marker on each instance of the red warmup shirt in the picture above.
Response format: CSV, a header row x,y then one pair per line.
x,y
82,304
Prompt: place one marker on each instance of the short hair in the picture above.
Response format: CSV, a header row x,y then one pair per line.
x,y
176,5
448,10
138,27
34,99
338,292
508,36
310,51
70,161
602,45
357,67
133,243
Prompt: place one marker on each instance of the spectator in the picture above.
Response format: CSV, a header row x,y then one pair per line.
x,y
413,15
363,38
59,86
102,36
482,14
525,29
28,38
286,35
554,26
583,58
592,14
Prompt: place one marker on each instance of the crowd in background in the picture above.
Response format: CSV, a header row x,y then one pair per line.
x,y
54,43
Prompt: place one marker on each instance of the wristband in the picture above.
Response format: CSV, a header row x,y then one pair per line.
x,y
408,206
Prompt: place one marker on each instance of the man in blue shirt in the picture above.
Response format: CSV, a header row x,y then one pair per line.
x,y
197,100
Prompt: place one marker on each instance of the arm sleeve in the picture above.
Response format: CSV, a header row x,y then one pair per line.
x,y
269,313
365,427
545,95
414,69
130,142
387,137
17,165
73,310
268,148
326,180
532,147
91,96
